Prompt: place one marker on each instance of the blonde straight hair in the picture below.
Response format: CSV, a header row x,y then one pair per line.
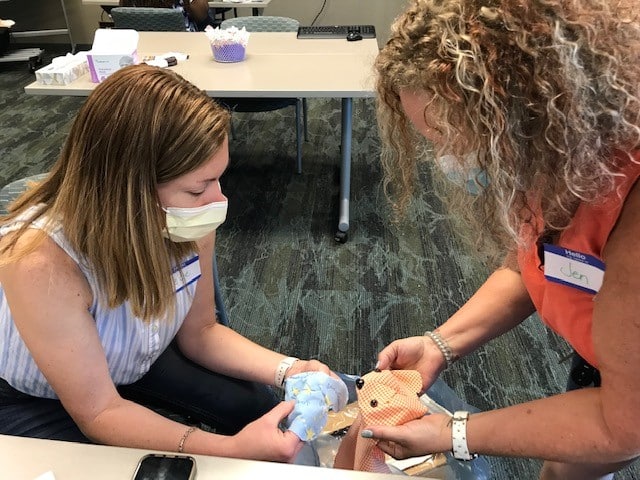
x,y
141,127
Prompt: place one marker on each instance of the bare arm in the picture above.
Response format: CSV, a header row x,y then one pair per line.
x,y
64,343
500,304
594,425
221,349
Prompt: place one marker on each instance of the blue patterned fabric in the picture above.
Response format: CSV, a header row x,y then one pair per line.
x,y
315,394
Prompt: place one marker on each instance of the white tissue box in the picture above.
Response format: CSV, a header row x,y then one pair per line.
x,y
63,70
112,49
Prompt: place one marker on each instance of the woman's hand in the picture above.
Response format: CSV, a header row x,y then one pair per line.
x,y
309,366
424,436
413,353
262,439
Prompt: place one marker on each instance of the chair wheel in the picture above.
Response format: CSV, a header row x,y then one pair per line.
x,y
340,236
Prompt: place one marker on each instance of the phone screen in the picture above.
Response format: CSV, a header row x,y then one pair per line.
x,y
165,467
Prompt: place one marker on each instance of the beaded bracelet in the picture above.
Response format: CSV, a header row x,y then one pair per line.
x,y
187,432
443,346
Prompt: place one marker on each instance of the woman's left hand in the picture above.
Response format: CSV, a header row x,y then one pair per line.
x,y
424,436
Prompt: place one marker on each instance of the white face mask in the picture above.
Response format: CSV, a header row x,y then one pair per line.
x,y
469,176
190,224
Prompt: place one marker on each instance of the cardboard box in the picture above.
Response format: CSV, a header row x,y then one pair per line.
x,y
112,49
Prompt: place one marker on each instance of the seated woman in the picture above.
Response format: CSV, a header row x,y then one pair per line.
x,y
106,287
197,12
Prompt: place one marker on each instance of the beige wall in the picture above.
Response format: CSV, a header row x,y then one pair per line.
x,y
83,19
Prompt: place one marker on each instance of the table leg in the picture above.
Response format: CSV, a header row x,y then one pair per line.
x,y
345,171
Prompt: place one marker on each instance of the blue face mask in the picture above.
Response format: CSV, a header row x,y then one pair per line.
x,y
464,172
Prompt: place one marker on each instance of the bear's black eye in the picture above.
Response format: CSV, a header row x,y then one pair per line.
x,y
359,383
374,403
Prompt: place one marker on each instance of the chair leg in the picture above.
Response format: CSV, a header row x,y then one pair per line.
x,y
304,119
299,134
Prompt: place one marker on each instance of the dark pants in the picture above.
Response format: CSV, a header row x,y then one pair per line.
x,y
174,385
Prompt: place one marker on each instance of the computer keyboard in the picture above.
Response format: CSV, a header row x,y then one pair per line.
x,y
336,31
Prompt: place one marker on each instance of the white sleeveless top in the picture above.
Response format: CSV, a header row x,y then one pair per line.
x,y
130,344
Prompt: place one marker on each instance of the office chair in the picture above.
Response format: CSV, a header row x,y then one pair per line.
x,y
270,24
149,19
12,190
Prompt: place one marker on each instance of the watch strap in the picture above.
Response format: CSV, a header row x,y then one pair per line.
x,y
459,436
281,370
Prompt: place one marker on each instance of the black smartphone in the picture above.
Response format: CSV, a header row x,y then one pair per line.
x,y
157,466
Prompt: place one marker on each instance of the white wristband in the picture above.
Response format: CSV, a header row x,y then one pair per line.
x,y
459,436
282,369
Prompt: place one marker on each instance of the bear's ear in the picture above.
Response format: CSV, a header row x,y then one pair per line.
x,y
408,380
359,383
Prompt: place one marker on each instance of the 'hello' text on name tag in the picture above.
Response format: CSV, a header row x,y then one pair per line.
x,y
572,268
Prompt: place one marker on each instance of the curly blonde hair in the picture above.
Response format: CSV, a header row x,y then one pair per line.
x,y
546,92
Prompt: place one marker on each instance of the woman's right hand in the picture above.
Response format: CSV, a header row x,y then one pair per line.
x,y
413,353
262,439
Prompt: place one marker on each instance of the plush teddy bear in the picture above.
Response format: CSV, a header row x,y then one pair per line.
x,y
388,397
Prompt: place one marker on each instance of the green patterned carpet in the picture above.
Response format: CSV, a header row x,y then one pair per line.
x,y
290,286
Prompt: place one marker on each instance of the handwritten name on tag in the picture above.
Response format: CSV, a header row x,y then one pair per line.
x,y
572,268
186,273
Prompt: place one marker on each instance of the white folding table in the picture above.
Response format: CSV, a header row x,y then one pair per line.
x,y
277,64
28,458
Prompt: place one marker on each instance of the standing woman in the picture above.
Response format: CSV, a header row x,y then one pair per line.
x,y
536,105
106,286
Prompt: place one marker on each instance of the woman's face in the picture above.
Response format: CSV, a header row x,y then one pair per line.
x,y
198,187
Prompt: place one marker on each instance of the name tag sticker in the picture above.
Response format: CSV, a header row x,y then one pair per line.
x,y
572,268
186,273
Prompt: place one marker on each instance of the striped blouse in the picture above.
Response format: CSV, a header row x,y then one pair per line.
x,y
130,344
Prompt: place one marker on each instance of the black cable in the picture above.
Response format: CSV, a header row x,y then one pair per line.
x,y
324,4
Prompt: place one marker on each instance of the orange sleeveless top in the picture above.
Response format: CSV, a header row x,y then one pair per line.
x,y
567,310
